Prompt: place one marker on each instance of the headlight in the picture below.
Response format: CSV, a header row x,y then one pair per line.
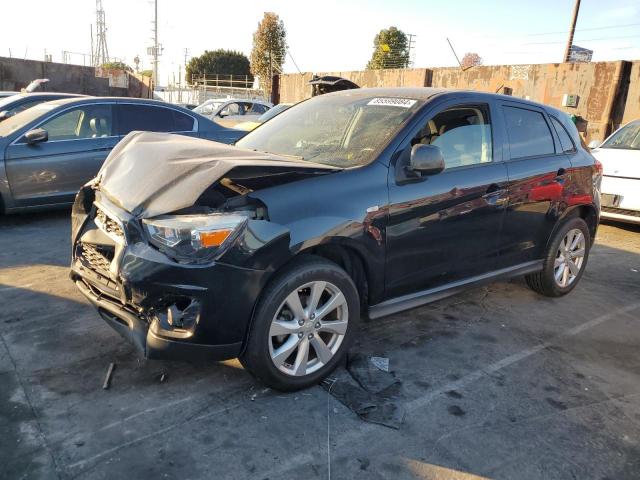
x,y
193,238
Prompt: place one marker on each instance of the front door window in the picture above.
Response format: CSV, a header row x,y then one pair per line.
x,y
88,121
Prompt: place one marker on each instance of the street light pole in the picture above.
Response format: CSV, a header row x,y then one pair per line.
x,y
574,20
155,45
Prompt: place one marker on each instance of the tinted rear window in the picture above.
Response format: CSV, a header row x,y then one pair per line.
x,y
152,119
529,134
183,122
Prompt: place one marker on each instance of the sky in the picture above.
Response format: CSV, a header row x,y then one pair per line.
x,y
327,35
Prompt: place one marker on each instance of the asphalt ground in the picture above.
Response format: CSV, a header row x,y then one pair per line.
x,y
497,382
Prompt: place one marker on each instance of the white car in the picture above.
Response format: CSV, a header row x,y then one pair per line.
x,y
620,158
231,112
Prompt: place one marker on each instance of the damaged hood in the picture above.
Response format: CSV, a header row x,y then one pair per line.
x,y
150,174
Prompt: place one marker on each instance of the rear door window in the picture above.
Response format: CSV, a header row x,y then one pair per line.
x,y
132,117
528,132
258,109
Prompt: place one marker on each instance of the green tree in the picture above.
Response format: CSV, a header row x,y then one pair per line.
x,y
269,49
117,66
221,62
391,50
147,73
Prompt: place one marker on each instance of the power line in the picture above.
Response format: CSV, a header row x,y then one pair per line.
x,y
537,34
583,40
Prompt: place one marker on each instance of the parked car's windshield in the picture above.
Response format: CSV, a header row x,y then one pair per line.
x,y
343,131
626,138
208,107
19,120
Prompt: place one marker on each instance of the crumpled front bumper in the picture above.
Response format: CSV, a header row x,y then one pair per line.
x,y
165,309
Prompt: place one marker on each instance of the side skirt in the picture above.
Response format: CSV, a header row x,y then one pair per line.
x,y
417,299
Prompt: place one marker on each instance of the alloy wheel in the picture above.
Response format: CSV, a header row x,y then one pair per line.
x,y
308,328
569,258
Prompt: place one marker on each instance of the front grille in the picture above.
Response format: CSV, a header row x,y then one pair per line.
x,y
622,211
110,226
96,258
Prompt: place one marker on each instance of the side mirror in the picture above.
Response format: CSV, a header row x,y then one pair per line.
x,y
4,115
426,160
594,144
36,136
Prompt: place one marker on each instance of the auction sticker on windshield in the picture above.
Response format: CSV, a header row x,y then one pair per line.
x,y
393,102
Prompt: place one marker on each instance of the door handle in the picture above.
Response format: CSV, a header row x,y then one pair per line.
x,y
495,195
493,189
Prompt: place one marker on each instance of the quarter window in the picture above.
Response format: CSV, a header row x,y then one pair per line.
x,y
183,122
462,133
529,134
88,121
563,135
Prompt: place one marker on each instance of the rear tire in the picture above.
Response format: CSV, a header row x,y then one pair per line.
x,y
303,325
564,261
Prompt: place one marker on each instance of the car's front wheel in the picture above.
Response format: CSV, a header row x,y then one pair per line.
x,y
565,260
303,325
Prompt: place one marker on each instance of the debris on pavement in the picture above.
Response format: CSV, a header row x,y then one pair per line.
x,y
107,378
381,363
368,391
368,374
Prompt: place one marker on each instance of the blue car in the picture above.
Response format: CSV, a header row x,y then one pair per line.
x,y
49,151
13,104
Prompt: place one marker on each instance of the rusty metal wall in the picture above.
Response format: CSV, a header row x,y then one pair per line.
x,y
632,104
597,85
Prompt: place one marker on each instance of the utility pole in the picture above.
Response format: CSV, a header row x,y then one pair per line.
x,y
574,20
155,45
411,45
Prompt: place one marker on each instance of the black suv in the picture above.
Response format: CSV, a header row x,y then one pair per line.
x,y
356,203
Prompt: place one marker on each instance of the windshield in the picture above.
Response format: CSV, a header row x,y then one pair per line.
x,y
19,120
343,130
272,112
626,138
208,107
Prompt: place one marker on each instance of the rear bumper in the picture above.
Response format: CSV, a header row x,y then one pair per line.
x,y
621,215
621,199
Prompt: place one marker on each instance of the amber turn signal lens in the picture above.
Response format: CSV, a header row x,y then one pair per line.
x,y
215,238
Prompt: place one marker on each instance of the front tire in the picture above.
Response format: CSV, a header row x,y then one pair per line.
x,y
303,325
565,260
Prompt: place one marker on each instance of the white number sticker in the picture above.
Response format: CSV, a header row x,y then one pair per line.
x,y
393,102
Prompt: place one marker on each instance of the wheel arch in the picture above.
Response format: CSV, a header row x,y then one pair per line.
x,y
587,212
